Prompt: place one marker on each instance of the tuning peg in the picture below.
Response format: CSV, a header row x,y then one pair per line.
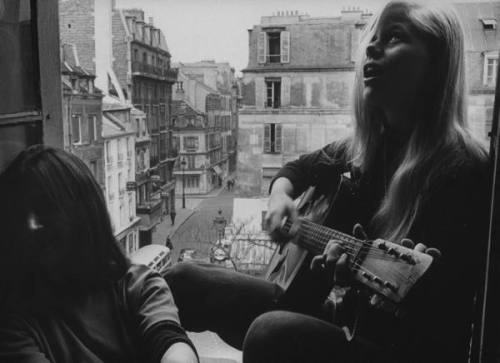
x,y
392,251
382,246
407,258
390,286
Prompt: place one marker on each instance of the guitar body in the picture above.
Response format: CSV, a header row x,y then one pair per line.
x,y
289,261
385,268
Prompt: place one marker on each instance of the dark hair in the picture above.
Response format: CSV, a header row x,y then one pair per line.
x,y
57,233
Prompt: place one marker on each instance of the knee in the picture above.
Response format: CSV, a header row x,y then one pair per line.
x,y
180,273
266,333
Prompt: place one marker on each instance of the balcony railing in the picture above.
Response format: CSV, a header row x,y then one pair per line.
x,y
154,71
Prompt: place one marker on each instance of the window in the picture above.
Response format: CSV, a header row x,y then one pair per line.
x,y
179,85
190,161
110,188
76,127
490,69
92,121
192,181
93,168
109,156
489,24
273,47
121,188
273,42
190,143
273,92
272,138
137,127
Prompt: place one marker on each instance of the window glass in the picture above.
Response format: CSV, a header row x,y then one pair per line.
x,y
18,90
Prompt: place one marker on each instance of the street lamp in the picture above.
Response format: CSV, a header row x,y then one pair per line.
x,y
183,167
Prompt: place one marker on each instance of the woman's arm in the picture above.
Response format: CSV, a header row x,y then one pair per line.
x,y
179,353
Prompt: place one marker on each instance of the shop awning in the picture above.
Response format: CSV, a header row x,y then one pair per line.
x,y
218,170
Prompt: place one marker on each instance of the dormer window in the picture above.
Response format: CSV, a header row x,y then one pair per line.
x,y
489,23
273,46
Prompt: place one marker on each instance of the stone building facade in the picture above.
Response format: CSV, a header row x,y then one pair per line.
x,y
82,113
482,44
142,66
295,90
206,125
119,151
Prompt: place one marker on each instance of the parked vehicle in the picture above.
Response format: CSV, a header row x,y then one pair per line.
x,y
156,257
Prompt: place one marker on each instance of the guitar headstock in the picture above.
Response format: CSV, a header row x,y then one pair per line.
x,y
390,269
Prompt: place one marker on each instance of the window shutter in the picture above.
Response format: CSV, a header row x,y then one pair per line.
x,y
91,128
285,47
267,138
75,126
277,138
285,91
261,48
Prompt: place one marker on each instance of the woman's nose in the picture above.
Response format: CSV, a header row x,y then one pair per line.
x,y
373,50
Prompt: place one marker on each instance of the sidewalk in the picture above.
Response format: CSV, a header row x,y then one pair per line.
x,y
165,227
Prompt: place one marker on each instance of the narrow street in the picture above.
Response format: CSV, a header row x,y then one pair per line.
x,y
198,230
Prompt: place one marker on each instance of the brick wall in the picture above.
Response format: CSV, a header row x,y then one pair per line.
x,y
76,26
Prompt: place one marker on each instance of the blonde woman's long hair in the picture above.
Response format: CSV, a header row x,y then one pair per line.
x,y
440,129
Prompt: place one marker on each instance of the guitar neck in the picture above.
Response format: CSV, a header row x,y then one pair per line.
x,y
315,237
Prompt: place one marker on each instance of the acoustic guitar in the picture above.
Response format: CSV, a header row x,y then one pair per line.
x,y
384,267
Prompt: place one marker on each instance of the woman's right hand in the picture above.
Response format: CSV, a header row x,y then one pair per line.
x,y
280,205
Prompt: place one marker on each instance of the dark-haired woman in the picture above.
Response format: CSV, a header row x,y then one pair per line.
x,y
68,292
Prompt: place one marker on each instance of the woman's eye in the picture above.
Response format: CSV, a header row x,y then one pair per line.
x,y
394,38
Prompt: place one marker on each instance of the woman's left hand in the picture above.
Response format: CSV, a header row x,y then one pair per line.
x,y
335,258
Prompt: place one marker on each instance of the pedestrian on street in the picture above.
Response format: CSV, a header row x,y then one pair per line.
x,y
172,217
168,243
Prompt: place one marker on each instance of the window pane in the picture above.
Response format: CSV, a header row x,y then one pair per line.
x,y
18,92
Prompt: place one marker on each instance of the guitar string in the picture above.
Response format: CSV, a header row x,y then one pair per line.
x,y
349,246
325,234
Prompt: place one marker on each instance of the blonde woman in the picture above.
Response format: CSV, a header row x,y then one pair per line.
x,y
419,175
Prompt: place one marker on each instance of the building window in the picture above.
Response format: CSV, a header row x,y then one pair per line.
x,y
490,69
273,47
179,85
76,125
273,92
93,168
111,195
489,23
137,127
92,121
190,161
190,143
272,138
193,181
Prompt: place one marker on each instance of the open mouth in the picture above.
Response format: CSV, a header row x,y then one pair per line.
x,y
371,70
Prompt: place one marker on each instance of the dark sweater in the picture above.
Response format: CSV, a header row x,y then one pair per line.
x,y
136,320
452,217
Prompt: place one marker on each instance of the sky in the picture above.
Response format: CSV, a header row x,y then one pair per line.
x,y
218,29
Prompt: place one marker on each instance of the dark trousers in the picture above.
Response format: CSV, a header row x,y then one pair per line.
x,y
213,298
246,312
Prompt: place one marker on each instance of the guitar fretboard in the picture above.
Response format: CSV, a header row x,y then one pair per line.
x,y
315,237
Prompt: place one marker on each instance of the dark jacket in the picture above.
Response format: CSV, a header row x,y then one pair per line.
x,y
452,217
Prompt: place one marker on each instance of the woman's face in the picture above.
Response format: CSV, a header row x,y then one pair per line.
x,y
397,62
